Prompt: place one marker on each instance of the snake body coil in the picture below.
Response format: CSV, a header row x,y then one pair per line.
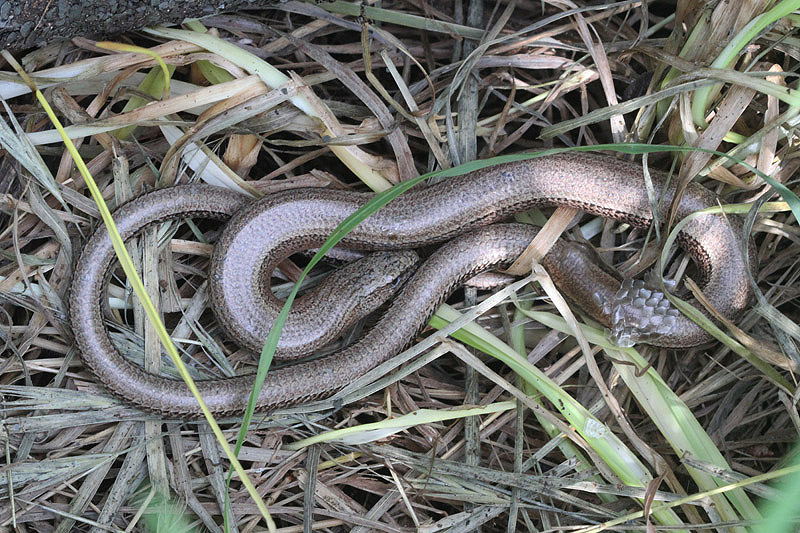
x,y
457,211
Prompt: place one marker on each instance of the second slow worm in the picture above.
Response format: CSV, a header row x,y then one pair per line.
x,y
262,233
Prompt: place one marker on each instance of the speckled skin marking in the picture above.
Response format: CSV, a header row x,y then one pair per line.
x,y
262,233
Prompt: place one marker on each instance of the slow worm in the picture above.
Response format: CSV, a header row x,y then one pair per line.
x,y
457,212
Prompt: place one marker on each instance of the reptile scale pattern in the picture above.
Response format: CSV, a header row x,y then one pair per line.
x,y
457,211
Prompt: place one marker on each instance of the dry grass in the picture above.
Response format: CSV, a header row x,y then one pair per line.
x,y
438,87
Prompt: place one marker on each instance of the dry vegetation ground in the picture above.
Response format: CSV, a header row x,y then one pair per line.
x,y
407,87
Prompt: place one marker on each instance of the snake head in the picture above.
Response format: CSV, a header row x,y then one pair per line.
x,y
639,314
380,275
